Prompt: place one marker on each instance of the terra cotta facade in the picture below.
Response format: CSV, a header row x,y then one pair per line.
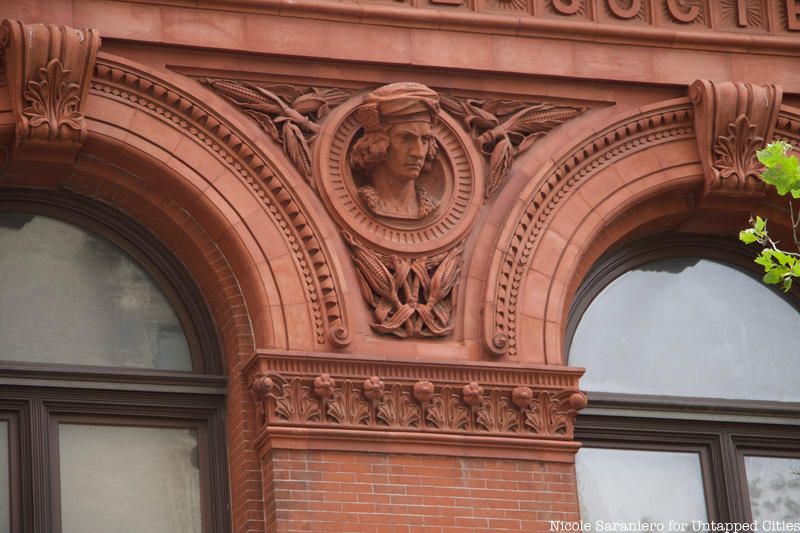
x,y
565,128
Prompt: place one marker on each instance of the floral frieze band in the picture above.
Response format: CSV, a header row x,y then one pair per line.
x,y
494,400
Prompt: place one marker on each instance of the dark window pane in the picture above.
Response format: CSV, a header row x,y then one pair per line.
x,y
68,296
774,487
689,327
633,485
5,501
129,479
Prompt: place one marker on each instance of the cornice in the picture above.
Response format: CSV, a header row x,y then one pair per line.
x,y
329,401
652,29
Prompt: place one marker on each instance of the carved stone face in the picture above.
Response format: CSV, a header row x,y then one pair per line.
x,y
408,145
393,191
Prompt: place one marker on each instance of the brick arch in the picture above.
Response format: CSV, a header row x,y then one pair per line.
x,y
179,161
250,201
633,176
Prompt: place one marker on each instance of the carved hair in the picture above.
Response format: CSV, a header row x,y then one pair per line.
x,y
373,148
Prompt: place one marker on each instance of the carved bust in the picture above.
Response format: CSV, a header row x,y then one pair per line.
x,y
396,148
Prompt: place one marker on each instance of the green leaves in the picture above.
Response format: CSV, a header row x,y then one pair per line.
x,y
779,267
782,170
757,233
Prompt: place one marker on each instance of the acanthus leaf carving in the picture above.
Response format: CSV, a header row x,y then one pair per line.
x,y
736,155
553,413
396,409
290,115
295,404
53,100
732,121
48,68
495,414
502,129
447,411
409,297
347,408
327,393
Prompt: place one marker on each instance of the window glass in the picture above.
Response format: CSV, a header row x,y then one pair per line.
x,y
689,327
774,487
639,486
5,499
129,479
69,296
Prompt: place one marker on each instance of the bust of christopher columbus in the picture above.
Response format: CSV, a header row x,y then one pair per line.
x,y
396,148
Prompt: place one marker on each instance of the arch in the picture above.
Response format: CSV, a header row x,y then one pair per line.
x,y
629,178
183,163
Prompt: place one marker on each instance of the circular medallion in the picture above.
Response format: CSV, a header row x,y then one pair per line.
x,y
439,206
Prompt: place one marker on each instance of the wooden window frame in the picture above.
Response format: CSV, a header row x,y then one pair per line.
x,y
722,431
36,396
152,256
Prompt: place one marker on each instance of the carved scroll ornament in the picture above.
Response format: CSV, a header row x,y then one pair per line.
x,y
287,392
48,69
732,121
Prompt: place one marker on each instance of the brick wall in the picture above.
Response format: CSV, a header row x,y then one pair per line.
x,y
389,493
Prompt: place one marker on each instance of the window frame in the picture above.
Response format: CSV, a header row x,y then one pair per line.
x,y
724,430
39,395
143,247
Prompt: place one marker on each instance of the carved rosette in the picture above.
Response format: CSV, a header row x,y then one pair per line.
x,y
48,68
519,404
732,121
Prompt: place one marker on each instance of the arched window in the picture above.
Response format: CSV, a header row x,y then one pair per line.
x,y
111,404
692,368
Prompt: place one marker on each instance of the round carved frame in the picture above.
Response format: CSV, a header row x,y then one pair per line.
x,y
458,164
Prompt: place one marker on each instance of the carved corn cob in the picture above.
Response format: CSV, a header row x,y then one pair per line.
x,y
375,273
499,164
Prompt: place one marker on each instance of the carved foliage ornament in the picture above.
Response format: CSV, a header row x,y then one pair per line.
x,y
732,121
289,114
369,405
409,297
48,68
502,129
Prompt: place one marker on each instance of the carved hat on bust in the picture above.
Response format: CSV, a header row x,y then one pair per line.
x,y
398,102
392,168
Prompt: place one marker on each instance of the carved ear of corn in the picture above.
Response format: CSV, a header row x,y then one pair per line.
x,y
235,91
372,268
501,108
454,106
499,164
542,117
446,275
331,98
295,146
